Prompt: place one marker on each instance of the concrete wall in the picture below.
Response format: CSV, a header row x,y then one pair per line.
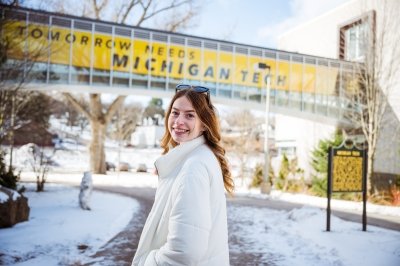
x,y
387,158
305,134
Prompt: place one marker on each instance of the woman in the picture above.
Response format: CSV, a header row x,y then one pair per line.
x,y
187,224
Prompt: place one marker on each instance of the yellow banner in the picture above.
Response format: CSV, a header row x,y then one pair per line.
x,y
104,52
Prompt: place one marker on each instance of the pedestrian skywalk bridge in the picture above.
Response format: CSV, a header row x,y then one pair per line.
x,y
83,55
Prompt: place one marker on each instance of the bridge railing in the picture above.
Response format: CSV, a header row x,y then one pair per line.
x,y
98,54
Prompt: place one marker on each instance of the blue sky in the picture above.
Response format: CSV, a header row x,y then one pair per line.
x,y
252,22
256,22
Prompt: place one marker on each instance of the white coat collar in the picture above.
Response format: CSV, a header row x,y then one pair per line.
x,y
168,162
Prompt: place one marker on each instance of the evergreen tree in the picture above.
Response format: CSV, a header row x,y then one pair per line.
x,y
7,177
154,107
281,180
258,175
320,163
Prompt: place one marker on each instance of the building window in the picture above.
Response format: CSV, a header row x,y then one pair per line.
x,y
289,151
355,38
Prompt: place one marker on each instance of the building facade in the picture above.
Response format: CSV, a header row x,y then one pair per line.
x,y
349,32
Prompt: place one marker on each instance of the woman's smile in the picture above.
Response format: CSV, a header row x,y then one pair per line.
x,y
183,122
180,130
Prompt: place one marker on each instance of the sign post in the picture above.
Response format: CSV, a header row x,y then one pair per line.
x,y
347,172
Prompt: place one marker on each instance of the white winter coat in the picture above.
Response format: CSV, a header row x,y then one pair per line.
x,y
187,224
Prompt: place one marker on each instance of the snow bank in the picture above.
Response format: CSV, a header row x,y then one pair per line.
x,y
4,197
320,202
57,225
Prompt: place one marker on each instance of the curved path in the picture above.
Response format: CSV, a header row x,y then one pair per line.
x,y
121,248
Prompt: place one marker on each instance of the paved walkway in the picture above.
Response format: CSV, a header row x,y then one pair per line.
x,y
120,249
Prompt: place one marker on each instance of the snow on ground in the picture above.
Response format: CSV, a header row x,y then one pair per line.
x,y
57,226
319,202
298,238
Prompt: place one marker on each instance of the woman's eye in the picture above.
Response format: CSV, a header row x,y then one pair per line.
x,y
174,113
190,116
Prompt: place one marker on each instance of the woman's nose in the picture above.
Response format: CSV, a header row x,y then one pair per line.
x,y
179,120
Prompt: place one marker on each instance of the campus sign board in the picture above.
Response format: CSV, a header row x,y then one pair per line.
x,y
347,172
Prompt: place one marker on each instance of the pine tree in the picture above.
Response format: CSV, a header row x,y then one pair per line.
x,y
7,177
320,163
281,180
258,175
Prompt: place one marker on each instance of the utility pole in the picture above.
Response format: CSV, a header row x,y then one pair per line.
x,y
266,184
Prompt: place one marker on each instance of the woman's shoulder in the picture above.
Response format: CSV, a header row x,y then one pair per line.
x,y
201,157
201,153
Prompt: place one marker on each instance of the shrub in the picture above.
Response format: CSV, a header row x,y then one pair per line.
x,y
258,175
290,177
395,193
281,181
297,185
319,163
7,177
319,186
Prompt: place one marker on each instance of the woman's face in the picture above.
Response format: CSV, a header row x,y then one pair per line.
x,y
183,122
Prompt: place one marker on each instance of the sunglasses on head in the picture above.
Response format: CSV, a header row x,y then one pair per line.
x,y
199,89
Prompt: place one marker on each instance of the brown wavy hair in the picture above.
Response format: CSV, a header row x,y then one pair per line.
x,y
212,134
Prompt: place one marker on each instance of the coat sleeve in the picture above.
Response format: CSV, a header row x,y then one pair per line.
x,y
190,221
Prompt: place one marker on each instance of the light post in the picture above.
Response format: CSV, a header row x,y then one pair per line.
x,y
266,184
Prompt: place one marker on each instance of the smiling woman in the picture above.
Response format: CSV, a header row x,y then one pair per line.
x,y
188,222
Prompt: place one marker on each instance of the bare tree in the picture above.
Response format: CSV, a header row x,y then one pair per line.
x,y
40,165
125,121
244,140
134,12
12,79
378,74
14,75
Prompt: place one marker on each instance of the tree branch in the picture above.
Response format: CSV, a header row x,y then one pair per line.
x,y
145,16
115,105
75,103
128,10
175,24
97,8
